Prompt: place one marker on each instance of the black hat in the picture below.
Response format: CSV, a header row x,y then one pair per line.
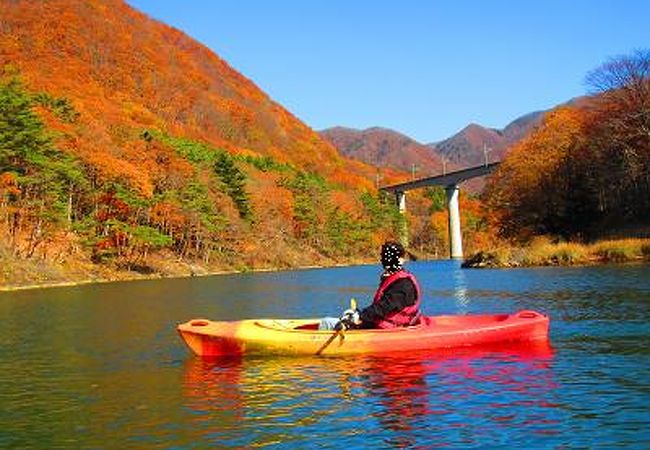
x,y
391,252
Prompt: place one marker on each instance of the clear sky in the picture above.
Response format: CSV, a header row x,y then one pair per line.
x,y
425,68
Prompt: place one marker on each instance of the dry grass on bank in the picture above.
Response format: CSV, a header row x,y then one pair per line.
x,y
77,268
543,252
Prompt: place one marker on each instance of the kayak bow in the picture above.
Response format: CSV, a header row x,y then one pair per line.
x,y
302,337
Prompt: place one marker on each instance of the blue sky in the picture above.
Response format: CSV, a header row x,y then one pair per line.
x,y
425,68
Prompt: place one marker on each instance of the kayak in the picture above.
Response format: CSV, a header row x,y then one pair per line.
x,y
302,337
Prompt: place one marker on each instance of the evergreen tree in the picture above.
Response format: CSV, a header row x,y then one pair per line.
x,y
234,182
21,132
45,178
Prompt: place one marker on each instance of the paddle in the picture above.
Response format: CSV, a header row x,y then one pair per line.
x,y
340,329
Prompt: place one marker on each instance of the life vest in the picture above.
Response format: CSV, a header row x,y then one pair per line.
x,y
407,316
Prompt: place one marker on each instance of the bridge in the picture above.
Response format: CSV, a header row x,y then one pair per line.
x,y
450,182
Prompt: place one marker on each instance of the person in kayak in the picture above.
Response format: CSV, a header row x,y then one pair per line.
x,y
396,302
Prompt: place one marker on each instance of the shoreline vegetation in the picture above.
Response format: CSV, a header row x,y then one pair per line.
x,y
542,252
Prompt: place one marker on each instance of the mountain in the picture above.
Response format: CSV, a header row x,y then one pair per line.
x,y
121,68
384,148
469,146
126,145
387,148
465,148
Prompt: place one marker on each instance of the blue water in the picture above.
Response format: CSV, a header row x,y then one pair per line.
x,y
101,366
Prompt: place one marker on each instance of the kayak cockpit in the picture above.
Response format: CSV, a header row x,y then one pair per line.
x,y
312,325
289,324
448,322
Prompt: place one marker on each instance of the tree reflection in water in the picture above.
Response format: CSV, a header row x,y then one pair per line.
x,y
451,398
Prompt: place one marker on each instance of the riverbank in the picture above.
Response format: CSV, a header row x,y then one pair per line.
x,y
542,252
22,274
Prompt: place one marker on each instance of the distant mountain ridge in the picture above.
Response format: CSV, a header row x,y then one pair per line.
x,y
387,148
383,148
470,146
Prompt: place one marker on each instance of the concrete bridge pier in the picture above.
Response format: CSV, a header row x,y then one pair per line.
x,y
455,236
400,198
450,182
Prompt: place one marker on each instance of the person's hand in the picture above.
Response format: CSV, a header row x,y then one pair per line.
x,y
350,318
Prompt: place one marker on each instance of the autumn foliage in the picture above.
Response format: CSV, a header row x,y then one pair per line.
x,y
121,136
585,172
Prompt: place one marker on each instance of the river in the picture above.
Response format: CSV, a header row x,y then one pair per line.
x,y
101,366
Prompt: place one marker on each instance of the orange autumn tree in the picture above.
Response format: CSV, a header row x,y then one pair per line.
x,y
586,171
528,192
615,167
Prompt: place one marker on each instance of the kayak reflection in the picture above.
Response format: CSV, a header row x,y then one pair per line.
x,y
462,394
402,389
261,401
213,395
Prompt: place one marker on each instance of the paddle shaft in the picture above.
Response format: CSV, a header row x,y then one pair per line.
x,y
331,338
339,329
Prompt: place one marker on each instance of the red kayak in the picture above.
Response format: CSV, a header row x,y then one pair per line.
x,y
302,337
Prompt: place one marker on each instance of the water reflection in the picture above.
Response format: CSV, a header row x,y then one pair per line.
x,y
212,390
461,397
400,387
460,291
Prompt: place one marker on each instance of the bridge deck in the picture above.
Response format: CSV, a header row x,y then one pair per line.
x,y
450,179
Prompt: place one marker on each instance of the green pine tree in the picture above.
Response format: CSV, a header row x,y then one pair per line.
x,y
234,182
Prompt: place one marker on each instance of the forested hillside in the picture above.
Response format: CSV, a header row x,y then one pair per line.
x,y
385,148
585,172
127,146
124,144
